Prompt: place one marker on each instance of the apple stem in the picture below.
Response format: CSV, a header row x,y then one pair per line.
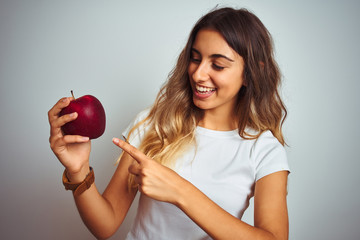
x,y
72,94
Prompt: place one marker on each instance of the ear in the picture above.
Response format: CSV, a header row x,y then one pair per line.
x,y
244,82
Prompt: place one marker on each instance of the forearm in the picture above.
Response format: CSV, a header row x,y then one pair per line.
x,y
214,220
96,213
104,213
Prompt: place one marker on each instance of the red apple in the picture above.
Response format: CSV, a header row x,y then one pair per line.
x,y
91,118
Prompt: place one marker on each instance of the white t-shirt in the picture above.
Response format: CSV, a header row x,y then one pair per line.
x,y
224,166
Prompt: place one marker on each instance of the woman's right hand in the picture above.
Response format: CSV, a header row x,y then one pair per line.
x,y
73,151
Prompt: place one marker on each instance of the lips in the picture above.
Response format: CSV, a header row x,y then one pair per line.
x,y
204,90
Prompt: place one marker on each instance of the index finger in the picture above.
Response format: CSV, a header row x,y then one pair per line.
x,y
56,109
131,150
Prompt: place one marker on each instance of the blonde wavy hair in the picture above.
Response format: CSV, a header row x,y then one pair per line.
x,y
173,117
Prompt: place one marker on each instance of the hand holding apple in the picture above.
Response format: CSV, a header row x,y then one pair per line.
x,y
91,118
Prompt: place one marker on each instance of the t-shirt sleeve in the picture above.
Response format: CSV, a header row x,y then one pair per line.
x,y
269,156
138,134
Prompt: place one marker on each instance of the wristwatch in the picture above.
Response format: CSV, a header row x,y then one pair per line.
x,y
81,187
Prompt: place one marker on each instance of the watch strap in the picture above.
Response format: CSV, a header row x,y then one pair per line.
x,y
81,187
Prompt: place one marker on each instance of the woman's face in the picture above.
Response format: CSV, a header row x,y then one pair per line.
x,y
215,73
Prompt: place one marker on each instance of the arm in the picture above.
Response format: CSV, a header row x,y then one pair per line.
x,y
163,184
102,214
271,219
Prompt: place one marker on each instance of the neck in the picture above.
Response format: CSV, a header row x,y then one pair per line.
x,y
215,120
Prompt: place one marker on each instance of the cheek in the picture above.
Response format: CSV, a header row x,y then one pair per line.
x,y
230,84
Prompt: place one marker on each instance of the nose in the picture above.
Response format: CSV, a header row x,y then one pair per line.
x,y
200,72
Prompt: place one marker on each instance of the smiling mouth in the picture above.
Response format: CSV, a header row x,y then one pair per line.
x,y
204,90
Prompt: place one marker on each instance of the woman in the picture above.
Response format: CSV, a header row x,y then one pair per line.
x,y
210,142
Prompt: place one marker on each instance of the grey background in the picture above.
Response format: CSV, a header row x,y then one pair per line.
x,y
122,51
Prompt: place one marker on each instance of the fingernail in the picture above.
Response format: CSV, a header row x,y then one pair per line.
x,y
85,138
72,114
115,140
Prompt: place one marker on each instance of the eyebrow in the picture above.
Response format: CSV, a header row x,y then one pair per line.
x,y
214,55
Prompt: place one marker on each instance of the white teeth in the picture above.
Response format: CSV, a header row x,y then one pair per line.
x,y
204,89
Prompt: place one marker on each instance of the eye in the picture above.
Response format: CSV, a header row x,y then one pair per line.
x,y
217,67
195,60
195,56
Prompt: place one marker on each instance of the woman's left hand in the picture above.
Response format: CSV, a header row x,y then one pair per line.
x,y
153,179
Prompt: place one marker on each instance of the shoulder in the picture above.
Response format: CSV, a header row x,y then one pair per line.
x,y
135,131
268,155
141,116
266,142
